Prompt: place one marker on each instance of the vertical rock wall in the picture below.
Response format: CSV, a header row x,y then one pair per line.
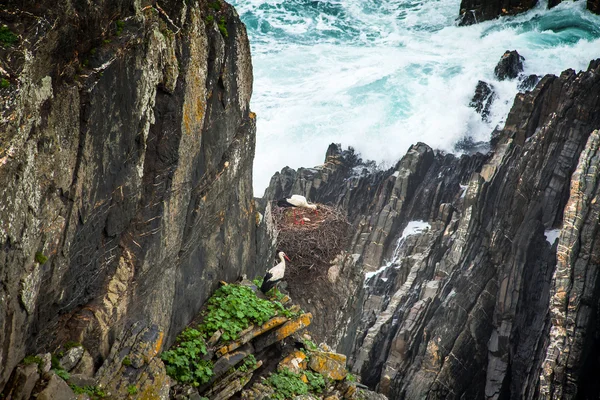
x,y
126,150
482,270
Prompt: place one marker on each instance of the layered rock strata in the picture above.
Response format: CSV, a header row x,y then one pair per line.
x,y
472,276
125,169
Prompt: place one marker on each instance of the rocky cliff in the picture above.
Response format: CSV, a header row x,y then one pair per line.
x,y
473,11
125,168
472,276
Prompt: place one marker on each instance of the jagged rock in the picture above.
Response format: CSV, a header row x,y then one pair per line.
x,y
528,83
594,6
482,99
56,389
22,382
286,330
251,334
330,365
460,261
46,364
120,157
510,65
71,358
142,343
473,11
85,366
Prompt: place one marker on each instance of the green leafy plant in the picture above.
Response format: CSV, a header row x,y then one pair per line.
x,y
40,257
316,381
33,360
286,384
184,362
222,27
209,19
248,364
4,83
350,377
310,345
257,281
132,389
62,373
7,37
233,308
93,391
120,26
126,361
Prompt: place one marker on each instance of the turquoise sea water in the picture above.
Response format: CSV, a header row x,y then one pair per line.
x,y
381,75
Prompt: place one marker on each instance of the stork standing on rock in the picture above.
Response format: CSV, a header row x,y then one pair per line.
x,y
297,201
275,274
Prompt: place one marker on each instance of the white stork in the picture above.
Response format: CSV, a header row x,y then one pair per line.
x,y
297,201
275,274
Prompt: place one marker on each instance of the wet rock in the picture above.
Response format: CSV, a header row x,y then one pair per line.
x,y
528,83
510,65
474,11
330,365
56,389
482,99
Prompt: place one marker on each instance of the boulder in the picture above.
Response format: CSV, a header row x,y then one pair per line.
x,y
528,82
509,66
482,99
85,366
295,362
330,365
71,358
21,382
56,389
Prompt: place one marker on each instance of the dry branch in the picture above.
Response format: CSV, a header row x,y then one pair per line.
x,y
313,245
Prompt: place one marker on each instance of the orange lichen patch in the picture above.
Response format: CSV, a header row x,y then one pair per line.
x,y
252,115
330,365
294,326
267,326
303,378
159,343
295,362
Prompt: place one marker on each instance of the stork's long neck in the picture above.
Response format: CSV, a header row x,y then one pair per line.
x,y
282,260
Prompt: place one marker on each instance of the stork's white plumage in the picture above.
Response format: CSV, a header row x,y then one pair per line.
x,y
275,274
300,201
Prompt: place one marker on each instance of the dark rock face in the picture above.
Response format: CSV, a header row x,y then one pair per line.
x,y
473,11
481,281
509,66
594,6
125,169
482,99
528,83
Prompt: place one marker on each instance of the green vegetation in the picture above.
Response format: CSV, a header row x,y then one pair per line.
x,y
132,389
93,391
4,83
126,361
40,257
184,362
230,310
287,385
233,308
33,360
93,51
215,5
120,26
62,373
71,344
106,41
350,377
310,345
209,19
223,27
316,381
248,364
7,37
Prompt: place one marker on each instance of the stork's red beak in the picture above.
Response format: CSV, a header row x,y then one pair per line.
x,y
286,257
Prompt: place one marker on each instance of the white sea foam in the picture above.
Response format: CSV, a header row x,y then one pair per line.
x,y
382,75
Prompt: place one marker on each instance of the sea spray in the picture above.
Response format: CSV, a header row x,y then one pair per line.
x,y
382,75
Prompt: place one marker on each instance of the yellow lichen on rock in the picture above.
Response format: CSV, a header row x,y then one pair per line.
x,y
295,362
330,365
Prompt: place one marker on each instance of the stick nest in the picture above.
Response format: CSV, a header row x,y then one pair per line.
x,y
311,246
